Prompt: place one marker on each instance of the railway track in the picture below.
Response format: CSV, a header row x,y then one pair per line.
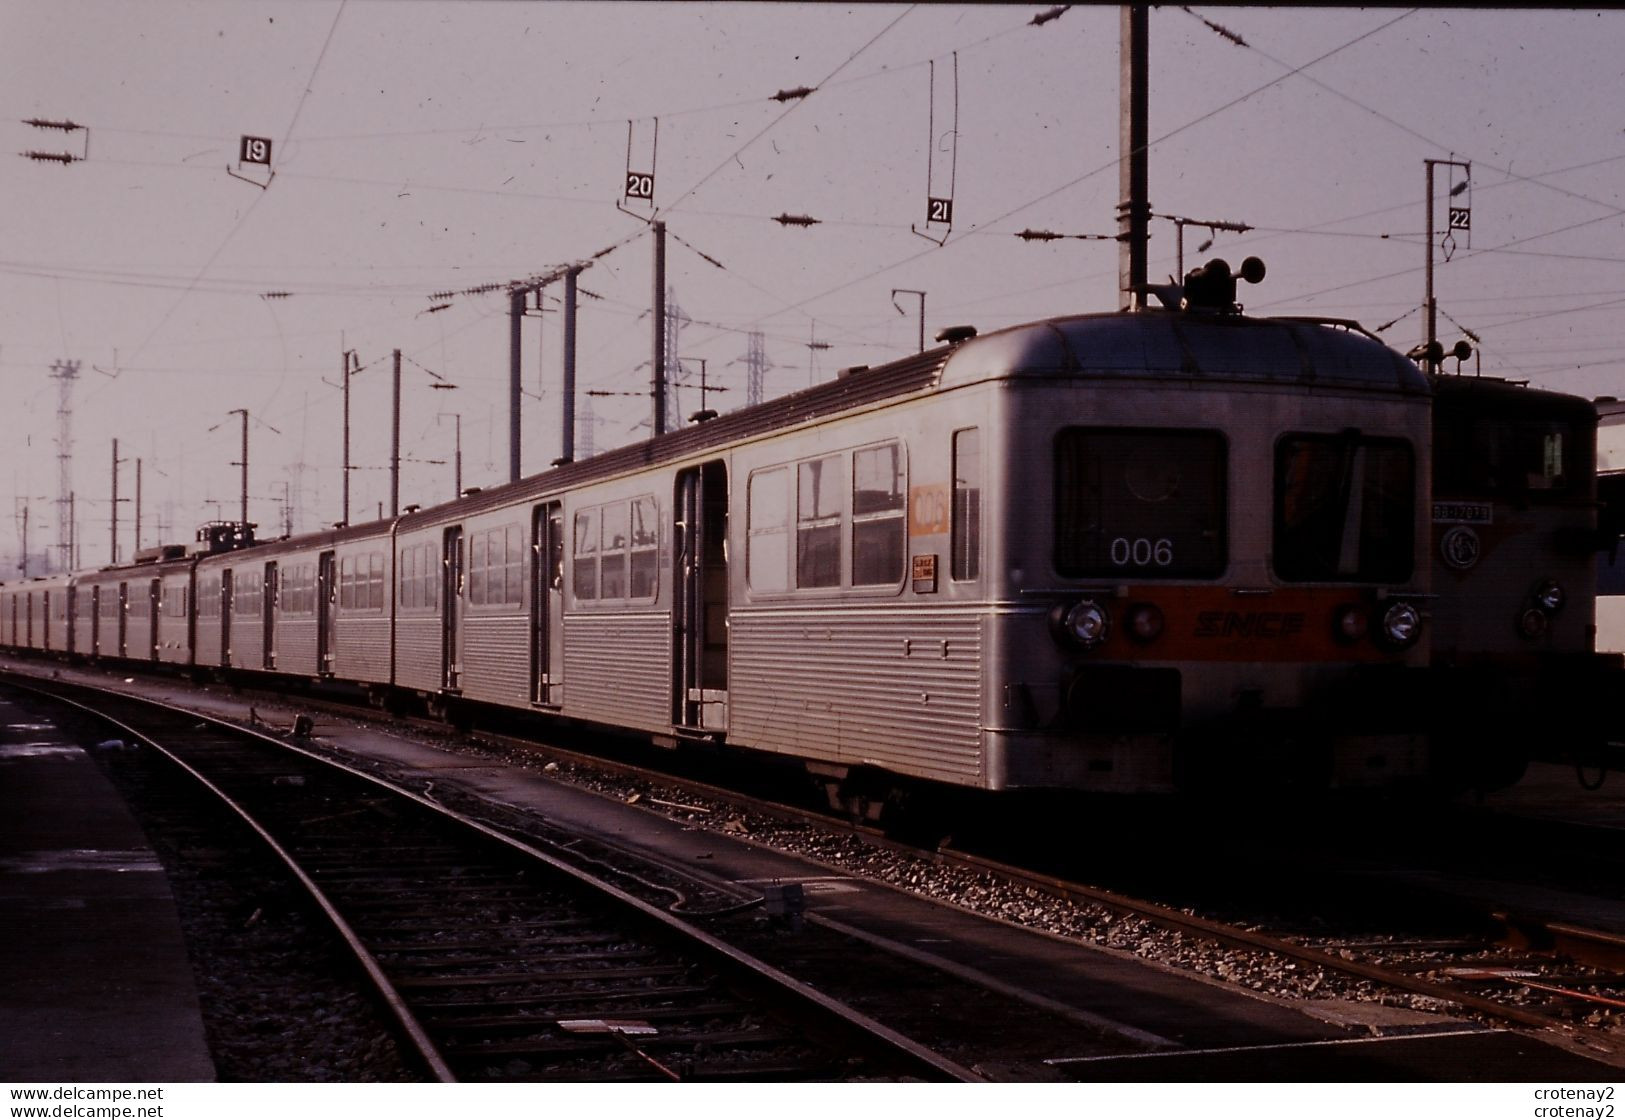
x,y
1521,969
496,960
1558,972
1507,965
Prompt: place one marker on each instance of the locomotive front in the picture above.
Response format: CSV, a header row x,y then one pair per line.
x,y
1514,556
1205,535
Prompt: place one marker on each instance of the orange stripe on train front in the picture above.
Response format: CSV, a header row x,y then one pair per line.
x,y
1217,624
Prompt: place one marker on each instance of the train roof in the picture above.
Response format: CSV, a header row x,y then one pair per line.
x,y
914,375
1154,344
1175,345
1499,397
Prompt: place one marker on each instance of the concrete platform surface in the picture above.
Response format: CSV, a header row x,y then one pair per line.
x,y
95,984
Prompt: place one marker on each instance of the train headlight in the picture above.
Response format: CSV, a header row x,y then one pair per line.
x,y
1087,624
1533,623
1351,623
1401,625
1550,597
1145,623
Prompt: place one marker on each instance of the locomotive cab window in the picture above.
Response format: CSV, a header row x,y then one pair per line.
x,y
1139,502
1345,508
1508,457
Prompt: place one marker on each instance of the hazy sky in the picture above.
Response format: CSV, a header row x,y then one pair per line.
x,y
426,147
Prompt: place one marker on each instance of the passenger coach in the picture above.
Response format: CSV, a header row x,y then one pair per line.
x,y
1127,552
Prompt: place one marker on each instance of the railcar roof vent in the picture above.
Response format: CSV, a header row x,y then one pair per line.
x,y
702,416
413,508
843,374
471,491
953,336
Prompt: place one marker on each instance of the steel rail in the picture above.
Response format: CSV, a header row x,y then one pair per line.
x,y
1249,939
721,954
1535,931
421,1044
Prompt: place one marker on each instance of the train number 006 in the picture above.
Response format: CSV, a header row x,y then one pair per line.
x,y
1142,552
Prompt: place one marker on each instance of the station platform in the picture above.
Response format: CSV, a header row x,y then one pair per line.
x,y
95,984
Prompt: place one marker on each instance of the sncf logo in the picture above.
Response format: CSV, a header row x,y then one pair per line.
x,y
1250,624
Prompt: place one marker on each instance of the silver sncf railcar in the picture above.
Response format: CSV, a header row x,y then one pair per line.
x,y
1122,552
1125,552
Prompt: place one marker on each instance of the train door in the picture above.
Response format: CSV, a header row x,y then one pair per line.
x,y
73,619
225,618
45,620
155,599
700,599
327,590
547,605
95,620
123,620
268,599
451,598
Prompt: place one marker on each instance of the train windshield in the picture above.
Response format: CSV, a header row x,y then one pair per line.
x,y
1345,509
1516,459
1140,502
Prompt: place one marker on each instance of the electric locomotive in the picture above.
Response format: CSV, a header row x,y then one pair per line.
x,y
1514,554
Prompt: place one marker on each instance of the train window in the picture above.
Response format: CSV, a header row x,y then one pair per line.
x,y
1141,502
513,583
966,540
375,581
418,571
878,506
406,572
1478,454
585,584
767,557
208,598
818,523
495,568
479,565
1345,508
298,589
422,586
614,519
645,555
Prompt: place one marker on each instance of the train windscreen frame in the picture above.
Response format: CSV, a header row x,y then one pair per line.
x,y
1345,508
1142,502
